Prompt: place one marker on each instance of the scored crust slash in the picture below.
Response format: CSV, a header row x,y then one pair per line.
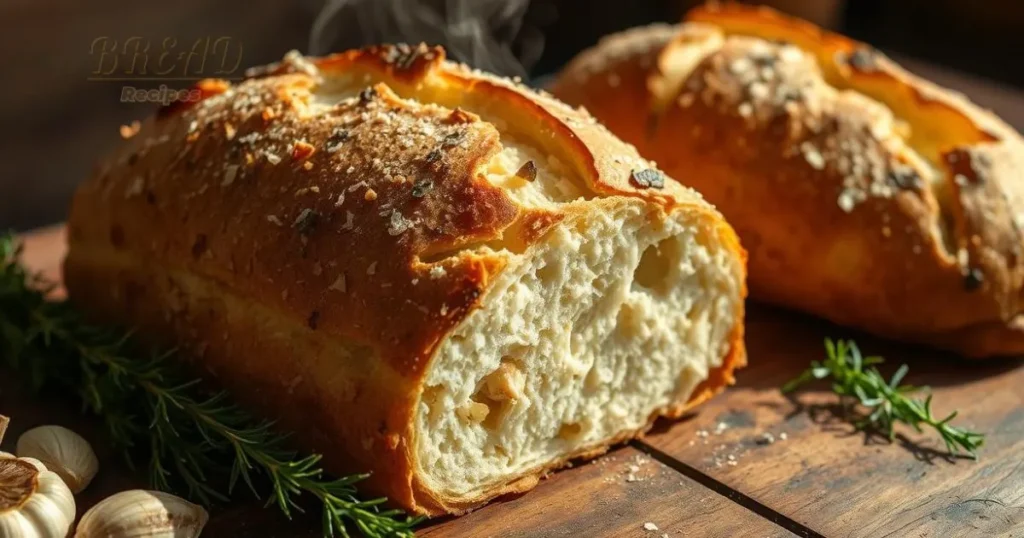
x,y
425,272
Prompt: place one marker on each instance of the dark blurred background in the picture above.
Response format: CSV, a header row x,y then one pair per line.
x,y
61,97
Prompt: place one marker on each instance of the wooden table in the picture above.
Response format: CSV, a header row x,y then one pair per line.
x,y
748,463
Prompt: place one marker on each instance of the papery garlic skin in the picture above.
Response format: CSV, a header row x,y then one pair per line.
x,y
142,514
34,502
63,452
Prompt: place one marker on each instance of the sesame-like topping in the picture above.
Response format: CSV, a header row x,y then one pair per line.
x,y
647,178
905,178
421,187
433,156
337,138
230,173
864,59
367,95
398,224
307,221
452,140
813,156
403,56
846,201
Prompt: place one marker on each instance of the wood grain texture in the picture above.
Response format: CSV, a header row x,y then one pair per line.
x,y
822,479
839,482
614,496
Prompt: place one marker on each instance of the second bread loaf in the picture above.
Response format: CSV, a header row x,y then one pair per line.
x,y
864,194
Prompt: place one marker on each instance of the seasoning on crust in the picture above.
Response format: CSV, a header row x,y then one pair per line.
x,y
425,272
863,193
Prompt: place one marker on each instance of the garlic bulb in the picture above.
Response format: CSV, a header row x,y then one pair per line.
x,y
63,452
142,514
34,502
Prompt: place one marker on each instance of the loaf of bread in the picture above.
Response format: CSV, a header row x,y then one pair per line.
x,y
863,193
425,272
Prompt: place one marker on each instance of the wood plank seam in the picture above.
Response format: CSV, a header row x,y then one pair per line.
x,y
729,493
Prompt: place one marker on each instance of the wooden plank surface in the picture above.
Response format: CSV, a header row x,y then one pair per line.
x,y
613,496
836,481
749,463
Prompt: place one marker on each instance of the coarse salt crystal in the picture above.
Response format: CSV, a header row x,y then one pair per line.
x,y
758,91
846,201
740,65
813,156
790,54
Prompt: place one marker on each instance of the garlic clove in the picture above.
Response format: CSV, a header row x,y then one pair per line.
x,y
63,452
53,487
142,514
34,502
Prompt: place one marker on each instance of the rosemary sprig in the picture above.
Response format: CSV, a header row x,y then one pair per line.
x,y
149,407
854,376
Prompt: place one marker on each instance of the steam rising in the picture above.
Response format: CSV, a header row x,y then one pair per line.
x,y
481,33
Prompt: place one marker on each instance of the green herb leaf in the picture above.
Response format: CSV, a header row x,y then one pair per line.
x,y
887,401
200,441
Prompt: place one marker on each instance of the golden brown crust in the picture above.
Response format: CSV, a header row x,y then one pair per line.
x,y
311,235
863,193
